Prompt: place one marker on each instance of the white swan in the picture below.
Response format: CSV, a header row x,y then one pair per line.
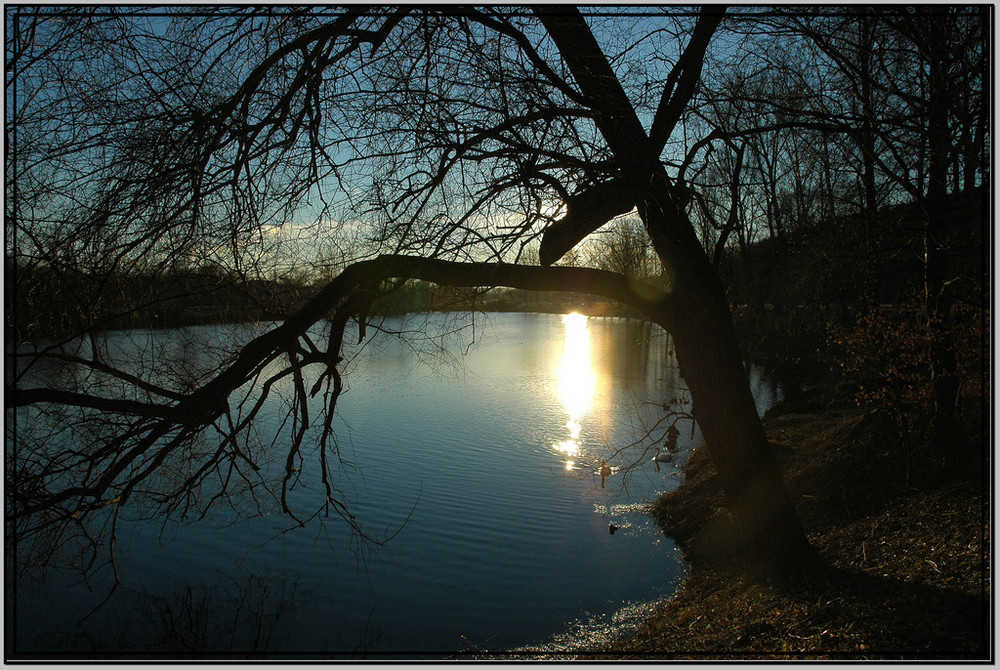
x,y
663,457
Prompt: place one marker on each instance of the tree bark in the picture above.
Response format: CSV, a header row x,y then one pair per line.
x,y
708,353
939,291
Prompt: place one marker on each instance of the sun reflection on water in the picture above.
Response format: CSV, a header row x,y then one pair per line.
x,y
576,382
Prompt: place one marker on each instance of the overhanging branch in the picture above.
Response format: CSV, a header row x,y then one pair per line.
x,y
650,301
337,297
159,431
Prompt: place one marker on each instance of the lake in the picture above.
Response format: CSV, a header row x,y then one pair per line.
x,y
473,451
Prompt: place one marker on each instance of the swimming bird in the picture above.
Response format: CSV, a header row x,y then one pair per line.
x,y
605,471
612,528
662,457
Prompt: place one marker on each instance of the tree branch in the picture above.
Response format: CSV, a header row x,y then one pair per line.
x,y
684,77
585,213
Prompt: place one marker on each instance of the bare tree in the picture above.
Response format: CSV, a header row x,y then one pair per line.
x,y
623,247
916,82
447,141
950,85
846,110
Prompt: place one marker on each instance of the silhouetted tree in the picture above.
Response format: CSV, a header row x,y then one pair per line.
x,y
439,144
917,82
847,110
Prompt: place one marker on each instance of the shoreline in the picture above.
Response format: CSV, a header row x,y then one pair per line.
x,y
902,570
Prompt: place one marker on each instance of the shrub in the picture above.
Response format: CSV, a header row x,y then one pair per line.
x,y
883,358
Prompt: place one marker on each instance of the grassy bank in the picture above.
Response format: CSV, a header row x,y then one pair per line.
x,y
902,569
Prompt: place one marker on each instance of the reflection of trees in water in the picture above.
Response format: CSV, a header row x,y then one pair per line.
x,y
652,401
639,350
657,399
242,616
627,352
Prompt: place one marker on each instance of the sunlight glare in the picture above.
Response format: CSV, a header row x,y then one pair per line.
x,y
576,380
568,447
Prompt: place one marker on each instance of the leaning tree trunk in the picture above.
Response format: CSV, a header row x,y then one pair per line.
x,y
764,520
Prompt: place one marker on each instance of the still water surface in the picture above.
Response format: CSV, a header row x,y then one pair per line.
x,y
477,454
